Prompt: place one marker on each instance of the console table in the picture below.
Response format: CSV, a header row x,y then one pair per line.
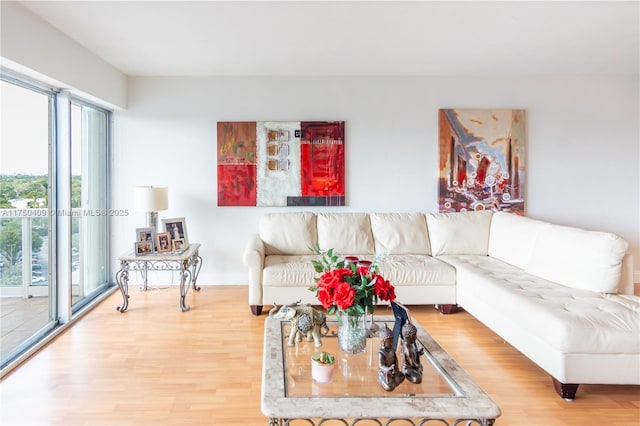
x,y
188,263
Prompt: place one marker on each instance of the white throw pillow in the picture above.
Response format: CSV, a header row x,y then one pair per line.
x,y
588,260
346,233
288,233
459,233
400,233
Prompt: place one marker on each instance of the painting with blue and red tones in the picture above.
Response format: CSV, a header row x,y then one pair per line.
x,y
481,160
281,163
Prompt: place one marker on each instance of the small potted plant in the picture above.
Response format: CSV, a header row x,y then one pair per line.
x,y
322,364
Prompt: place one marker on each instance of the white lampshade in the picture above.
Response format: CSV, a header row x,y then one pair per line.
x,y
151,198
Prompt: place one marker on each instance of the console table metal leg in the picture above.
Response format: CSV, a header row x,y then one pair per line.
x,y
122,278
185,279
145,271
196,264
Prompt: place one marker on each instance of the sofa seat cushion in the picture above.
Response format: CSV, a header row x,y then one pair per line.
x,y
570,319
402,270
289,271
293,271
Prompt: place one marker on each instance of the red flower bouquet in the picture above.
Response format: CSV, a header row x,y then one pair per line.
x,y
347,285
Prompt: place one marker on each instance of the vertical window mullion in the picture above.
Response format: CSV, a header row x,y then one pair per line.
x,y
63,204
53,206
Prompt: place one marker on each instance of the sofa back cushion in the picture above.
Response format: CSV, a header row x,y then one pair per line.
x,y
400,233
346,233
587,260
512,238
288,233
459,233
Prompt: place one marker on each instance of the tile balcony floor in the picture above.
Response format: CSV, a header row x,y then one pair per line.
x,y
20,318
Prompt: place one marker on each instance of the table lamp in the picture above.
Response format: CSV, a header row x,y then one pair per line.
x,y
151,199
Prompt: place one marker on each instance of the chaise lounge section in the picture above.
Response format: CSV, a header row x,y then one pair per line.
x,y
555,293
562,296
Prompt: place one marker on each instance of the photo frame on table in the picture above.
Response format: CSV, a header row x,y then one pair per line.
x,y
177,228
163,242
141,248
177,244
147,234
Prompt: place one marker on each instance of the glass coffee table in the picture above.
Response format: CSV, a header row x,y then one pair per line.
x,y
447,395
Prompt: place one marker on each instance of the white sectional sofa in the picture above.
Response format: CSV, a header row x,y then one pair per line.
x,y
562,296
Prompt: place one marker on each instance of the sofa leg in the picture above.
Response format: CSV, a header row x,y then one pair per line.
x,y
566,390
256,309
448,308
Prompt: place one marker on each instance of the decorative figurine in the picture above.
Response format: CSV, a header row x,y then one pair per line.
x,y
401,313
389,375
305,321
411,366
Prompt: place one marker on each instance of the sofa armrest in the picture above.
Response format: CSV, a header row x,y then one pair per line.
x,y
253,258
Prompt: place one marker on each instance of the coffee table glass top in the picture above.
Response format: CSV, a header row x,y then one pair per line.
x,y
357,375
288,391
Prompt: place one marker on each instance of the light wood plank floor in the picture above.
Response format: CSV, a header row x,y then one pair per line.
x,y
155,365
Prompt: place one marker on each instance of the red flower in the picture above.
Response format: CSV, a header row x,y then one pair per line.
x,y
328,283
344,296
384,290
332,278
325,297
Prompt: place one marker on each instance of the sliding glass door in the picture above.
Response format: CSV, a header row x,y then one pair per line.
x,y
54,210
88,180
26,274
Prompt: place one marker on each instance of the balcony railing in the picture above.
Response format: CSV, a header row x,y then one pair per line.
x,y
24,273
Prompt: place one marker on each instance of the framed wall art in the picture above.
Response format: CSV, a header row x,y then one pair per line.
x,y
274,163
481,160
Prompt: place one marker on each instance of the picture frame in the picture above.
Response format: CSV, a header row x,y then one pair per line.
x,y
142,248
147,234
163,242
177,244
177,228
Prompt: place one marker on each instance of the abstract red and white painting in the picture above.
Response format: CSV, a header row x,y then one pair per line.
x,y
276,163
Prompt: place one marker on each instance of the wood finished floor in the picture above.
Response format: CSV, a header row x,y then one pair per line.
x,y
155,365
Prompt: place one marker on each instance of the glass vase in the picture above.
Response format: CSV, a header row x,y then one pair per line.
x,y
352,332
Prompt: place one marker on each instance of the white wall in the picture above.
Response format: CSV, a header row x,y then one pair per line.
x,y
583,150
31,46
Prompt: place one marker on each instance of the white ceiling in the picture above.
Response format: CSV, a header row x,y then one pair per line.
x,y
318,38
